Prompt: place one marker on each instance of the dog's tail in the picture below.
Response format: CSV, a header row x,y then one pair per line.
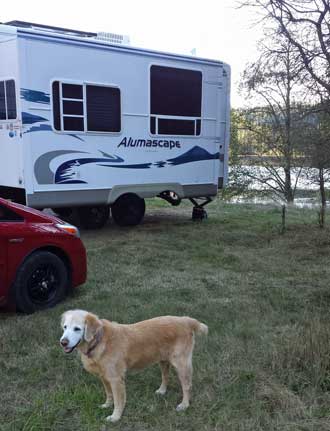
x,y
198,327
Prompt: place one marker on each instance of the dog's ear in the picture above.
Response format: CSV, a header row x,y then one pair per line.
x,y
63,319
92,325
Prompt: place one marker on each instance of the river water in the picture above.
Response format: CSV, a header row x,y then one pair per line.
x,y
306,182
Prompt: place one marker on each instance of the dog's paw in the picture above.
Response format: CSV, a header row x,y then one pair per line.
x,y
113,418
161,391
181,407
106,405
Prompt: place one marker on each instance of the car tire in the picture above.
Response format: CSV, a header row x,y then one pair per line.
x,y
41,282
128,210
93,217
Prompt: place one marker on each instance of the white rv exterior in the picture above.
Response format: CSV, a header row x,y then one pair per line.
x,y
84,121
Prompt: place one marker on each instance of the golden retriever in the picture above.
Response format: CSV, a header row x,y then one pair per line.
x,y
109,349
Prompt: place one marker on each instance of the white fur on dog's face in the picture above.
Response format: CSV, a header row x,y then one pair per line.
x,y
73,324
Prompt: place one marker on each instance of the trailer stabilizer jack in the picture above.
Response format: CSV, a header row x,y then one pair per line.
x,y
198,211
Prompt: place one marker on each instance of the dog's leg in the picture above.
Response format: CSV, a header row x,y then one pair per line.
x,y
119,398
165,368
184,370
108,391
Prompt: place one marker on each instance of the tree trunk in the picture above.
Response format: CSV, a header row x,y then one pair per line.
x,y
323,197
322,187
288,192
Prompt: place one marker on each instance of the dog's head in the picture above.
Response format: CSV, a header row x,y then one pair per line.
x,y
79,327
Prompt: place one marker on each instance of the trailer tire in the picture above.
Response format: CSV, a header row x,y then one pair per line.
x,y
93,217
63,212
128,210
41,282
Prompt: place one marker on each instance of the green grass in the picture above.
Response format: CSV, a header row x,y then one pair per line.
x,y
265,297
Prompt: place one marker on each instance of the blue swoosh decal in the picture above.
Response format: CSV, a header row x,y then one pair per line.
x,y
137,166
47,128
73,182
31,119
196,154
40,128
35,96
67,169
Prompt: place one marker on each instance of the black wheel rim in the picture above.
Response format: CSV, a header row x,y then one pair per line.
x,y
98,214
133,210
43,283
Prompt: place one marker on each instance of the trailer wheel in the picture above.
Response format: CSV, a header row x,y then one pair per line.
x,y
41,282
93,217
63,212
128,210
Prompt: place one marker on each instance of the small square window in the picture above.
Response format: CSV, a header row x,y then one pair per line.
x,y
72,91
73,124
71,107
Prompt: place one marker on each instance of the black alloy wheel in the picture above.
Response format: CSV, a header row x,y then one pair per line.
x,y
41,282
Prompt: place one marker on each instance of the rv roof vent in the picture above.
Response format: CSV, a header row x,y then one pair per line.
x,y
117,39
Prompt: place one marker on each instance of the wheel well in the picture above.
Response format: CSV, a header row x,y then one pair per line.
x,y
119,196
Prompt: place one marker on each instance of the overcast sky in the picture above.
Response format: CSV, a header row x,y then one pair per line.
x,y
216,29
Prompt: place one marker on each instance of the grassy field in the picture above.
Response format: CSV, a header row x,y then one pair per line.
x,y
265,297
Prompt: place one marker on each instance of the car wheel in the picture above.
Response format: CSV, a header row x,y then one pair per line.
x,y
41,282
94,217
128,210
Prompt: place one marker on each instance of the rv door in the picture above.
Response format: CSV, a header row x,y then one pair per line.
x,y
223,124
10,135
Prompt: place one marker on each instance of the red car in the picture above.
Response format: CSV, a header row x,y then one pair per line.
x,y
41,258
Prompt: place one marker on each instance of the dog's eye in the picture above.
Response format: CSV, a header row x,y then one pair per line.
x,y
64,327
76,329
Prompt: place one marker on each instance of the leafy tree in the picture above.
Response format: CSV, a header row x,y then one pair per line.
x,y
273,83
239,180
306,26
317,151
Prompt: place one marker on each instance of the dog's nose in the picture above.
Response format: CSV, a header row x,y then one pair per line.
x,y
64,342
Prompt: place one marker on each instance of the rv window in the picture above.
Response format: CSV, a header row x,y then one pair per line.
x,y
102,108
7,100
11,99
168,126
175,101
72,91
73,124
56,105
3,115
73,107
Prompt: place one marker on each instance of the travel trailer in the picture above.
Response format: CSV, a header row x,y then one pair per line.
x,y
89,123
